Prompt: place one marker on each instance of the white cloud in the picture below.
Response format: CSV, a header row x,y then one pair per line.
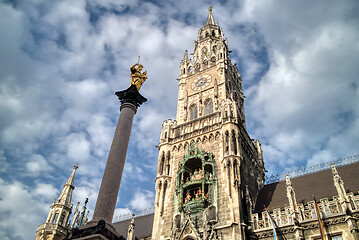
x,y
37,165
142,200
20,213
59,72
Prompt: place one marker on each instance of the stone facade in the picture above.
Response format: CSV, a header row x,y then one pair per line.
x,y
210,176
338,208
209,169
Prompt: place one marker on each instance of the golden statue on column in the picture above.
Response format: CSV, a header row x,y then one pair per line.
x,y
138,78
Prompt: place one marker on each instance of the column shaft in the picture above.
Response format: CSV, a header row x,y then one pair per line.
x,y
107,197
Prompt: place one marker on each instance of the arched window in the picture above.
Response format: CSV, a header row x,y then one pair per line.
x,y
162,163
193,112
227,143
208,107
163,198
168,166
62,218
234,142
55,218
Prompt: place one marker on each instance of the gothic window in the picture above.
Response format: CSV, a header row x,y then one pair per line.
x,y
55,218
235,169
214,49
193,112
326,209
234,141
255,223
266,221
227,143
163,197
168,164
213,34
50,218
62,218
208,107
162,162
204,53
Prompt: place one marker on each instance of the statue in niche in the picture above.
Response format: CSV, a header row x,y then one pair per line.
x,y
138,77
188,197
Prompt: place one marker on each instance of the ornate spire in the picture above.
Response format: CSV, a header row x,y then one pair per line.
x,y
210,19
66,194
75,217
59,214
291,198
185,57
339,186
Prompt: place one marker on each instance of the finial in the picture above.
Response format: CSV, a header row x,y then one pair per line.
x,y
76,166
210,8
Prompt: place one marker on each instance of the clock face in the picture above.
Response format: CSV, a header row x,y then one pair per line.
x,y
201,83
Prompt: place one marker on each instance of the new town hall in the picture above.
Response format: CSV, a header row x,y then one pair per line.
x,y
211,174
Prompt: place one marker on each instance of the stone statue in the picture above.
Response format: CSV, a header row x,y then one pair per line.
x,y
138,78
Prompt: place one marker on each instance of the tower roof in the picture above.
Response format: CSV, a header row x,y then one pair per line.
x,y
210,19
66,194
72,177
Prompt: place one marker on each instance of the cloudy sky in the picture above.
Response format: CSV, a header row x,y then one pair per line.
x,y
62,61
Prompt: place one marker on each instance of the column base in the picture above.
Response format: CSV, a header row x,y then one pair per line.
x,y
95,230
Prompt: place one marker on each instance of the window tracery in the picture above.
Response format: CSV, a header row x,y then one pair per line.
x,y
193,112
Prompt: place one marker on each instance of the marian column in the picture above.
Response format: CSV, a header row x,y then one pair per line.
x,y
130,100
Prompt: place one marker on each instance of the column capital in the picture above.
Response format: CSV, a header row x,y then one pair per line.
x,y
131,96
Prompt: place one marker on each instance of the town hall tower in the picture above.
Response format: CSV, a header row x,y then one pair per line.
x,y
209,169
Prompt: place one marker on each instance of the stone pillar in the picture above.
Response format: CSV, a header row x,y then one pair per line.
x,y
107,197
100,226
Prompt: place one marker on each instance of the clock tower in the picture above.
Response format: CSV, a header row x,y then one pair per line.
x,y
209,169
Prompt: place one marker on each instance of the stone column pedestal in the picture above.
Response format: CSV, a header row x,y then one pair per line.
x,y
100,227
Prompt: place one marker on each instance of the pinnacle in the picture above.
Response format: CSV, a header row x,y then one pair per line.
x,y
210,19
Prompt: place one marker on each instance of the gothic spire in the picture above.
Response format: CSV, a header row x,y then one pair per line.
x,y
66,194
210,19
339,185
291,198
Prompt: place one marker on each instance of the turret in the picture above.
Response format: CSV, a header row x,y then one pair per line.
x,y
291,198
339,186
56,226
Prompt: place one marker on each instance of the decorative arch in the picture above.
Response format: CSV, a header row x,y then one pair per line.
x,y
217,135
208,106
161,164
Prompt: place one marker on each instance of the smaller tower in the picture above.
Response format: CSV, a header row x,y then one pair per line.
x,y
56,227
291,198
339,185
83,219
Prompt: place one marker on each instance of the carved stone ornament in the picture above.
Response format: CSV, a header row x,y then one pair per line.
x,y
131,95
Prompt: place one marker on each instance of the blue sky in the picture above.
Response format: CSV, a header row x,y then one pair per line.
x,y
62,61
